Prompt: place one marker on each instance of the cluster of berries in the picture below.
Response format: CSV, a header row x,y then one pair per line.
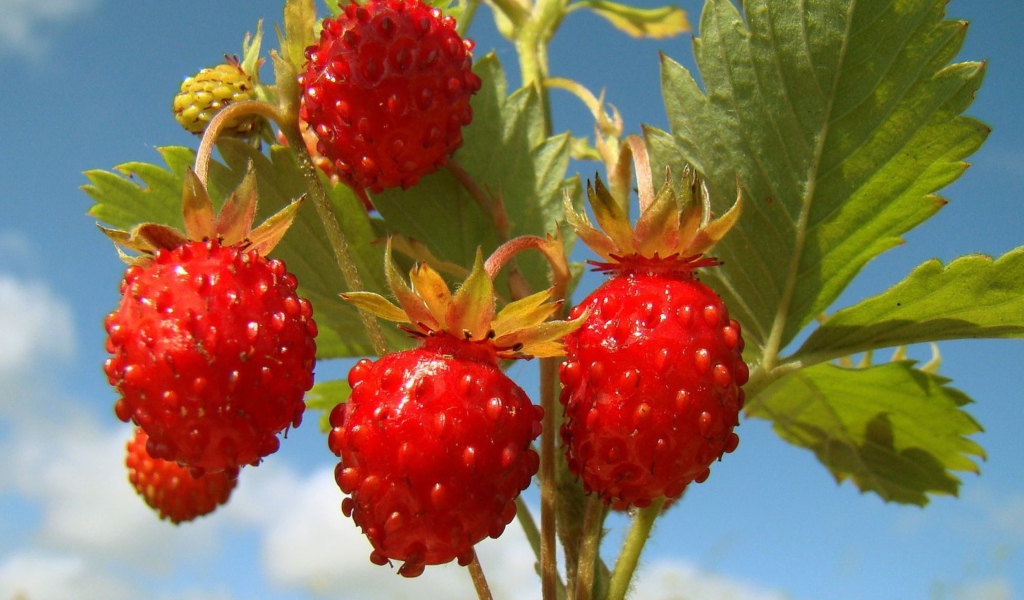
x,y
213,350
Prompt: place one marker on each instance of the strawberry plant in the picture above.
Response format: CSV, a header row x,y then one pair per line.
x,y
812,138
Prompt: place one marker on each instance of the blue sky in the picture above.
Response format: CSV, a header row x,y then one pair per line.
x,y
87,84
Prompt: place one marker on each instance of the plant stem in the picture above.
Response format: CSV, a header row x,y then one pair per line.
x,y
216,125
548,493
483,591
335,236
590,546
631,549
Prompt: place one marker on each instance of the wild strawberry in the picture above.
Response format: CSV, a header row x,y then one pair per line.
x,y
386,90
651,381
170,489
435,441
212,347
204,94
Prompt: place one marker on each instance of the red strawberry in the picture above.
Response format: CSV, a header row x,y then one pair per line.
x,y
435,442
170,489
212,347
387,92
651,381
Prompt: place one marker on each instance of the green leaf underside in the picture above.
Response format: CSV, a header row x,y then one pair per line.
x,y
891,429
841,119
140,192
324,396
661,22
505,151
973,297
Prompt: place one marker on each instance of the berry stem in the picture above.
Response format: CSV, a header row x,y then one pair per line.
x,y
633,545
217,124
483,591
548,491
590,545
550,247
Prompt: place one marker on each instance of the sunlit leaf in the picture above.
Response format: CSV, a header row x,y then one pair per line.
x,y
973,297
891,429
840,119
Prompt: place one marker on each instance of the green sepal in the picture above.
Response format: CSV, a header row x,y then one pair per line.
x,y
377,305
197,209
299,31
234,221
472,306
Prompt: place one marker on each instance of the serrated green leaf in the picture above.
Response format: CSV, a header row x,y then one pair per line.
x,y
324,396
891,429
841,119
973,297
506,153
148,193
662,22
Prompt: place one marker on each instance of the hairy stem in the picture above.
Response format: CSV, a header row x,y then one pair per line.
x,y
590,546
629,557
217,124
335,236
483,591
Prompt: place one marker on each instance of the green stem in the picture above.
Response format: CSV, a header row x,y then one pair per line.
x,y
590,546
629,557
468,12
548,493
532,47
335,237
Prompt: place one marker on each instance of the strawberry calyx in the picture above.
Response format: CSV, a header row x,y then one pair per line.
x,y
655,265
231,226
674,229
466,322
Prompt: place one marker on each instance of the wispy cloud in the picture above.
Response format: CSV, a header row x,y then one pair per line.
x,y
26,25
36,325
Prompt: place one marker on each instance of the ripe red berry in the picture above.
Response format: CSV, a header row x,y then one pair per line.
x,y
170,489
386,90
651,383
212,352
435,448
435,441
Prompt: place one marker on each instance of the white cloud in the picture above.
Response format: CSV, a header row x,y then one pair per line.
x,y
676,580
309,544
37,325
25,24
39,576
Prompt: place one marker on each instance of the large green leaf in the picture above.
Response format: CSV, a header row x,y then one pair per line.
x,y
891,429
139,192
973,297
840,118
506,153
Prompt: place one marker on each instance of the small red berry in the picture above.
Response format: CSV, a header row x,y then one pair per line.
x,y
212,351
171,489
651,381
435,441
435,448
651,385
386,91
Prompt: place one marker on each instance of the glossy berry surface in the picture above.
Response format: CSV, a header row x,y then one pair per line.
x,y
651,386
386,91
212,351
435,447
170,489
